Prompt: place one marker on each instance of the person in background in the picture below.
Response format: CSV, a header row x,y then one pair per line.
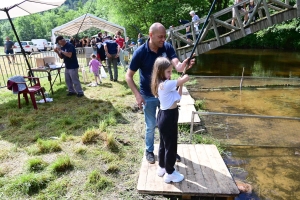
x,y
167,117
121,42
127,46
140,40
250,9
67,52
242,10
112,51
187,30
95,66
94,46
8,49
142,60
195,18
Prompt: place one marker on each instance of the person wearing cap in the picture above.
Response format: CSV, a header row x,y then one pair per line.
x,y
67,51
195,18
112,51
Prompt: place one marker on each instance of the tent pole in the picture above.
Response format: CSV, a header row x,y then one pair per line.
x,y
18,39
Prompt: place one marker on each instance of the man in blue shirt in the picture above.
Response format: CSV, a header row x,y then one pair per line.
x,y
67,52
143,60
112,51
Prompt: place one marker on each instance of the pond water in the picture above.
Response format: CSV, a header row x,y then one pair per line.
x,y
264,152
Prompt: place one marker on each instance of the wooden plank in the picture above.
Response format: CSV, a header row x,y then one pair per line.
x,y
226,178
143,176
206,167
150,184
159,181
199,178
182,168
220,178
190,178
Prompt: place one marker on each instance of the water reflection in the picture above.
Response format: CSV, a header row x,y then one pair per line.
x,y
256,62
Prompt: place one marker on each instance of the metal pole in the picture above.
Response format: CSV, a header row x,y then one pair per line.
x,y
18,39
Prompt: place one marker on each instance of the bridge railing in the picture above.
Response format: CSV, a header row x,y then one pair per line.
x,y
264,9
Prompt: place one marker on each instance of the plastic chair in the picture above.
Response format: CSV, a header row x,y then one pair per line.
x,y
36,88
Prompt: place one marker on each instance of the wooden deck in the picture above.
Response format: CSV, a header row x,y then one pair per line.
x,y
203,168
187,105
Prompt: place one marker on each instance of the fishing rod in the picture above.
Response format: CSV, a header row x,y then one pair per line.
x,y
199,36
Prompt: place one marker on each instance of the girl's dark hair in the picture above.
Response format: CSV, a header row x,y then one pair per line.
x,y
158,73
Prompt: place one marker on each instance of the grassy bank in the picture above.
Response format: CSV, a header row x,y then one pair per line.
x,y
73,148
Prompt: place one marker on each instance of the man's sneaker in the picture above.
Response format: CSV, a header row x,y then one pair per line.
x,y
175,177
160,171
150,157
71,94
80,95
178,158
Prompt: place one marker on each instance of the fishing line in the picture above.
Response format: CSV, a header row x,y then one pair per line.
x,y
199,36
84,18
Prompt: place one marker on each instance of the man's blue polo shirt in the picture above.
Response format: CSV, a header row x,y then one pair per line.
x,y
112,46
70,63
143,59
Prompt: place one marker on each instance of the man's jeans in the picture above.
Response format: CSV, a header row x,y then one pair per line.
x,y
150,120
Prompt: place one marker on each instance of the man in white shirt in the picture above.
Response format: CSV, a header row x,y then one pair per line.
x,y
195,18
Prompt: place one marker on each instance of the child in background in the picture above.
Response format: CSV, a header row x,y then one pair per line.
x,y
167,118
95,66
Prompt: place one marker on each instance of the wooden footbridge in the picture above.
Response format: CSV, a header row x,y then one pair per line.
x,y
219,32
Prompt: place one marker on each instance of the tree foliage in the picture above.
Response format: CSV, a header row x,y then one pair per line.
x,y
137,16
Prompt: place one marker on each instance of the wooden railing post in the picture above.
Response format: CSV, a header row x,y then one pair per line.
x,y
238,18
298,8
267,13
215,29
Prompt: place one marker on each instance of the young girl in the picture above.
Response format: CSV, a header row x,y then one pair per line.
x,y
167,118
94,67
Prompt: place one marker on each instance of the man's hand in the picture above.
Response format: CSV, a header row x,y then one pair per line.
x,y
192,62
140,101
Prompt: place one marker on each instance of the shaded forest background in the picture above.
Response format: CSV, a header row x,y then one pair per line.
x,y
137,15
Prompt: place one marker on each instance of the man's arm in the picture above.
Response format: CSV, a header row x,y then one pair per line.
x,y
180,66
67,54
129,79
106,51
118,50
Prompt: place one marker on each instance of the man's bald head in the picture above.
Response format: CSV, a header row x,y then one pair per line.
x,y
156,27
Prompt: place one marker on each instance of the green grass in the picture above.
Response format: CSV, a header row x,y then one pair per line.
x,y
87,147
36,165
61,165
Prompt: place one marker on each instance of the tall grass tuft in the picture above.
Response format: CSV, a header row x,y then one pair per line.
x,y
35,165
112,143
98,182
62,164
113,168
200,105
90,136
29,183
63,137
48,146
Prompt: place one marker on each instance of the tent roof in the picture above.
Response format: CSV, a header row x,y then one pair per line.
x,y
71,28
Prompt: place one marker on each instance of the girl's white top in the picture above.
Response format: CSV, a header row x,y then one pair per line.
x,y
167,94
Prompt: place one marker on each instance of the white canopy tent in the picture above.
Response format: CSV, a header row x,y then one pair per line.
x,y
72,28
